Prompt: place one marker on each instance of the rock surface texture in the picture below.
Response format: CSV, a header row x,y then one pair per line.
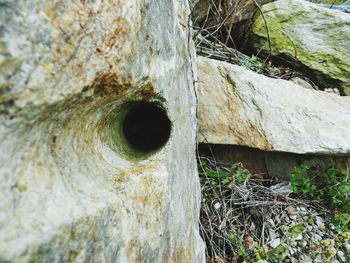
x,y
73,188
240,107
316,38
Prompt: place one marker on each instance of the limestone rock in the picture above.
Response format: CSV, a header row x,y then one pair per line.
x,y
74,187
240,107
312,38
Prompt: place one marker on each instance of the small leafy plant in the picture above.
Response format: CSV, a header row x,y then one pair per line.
x,y
330,186
299,181
253,63
205,170
341,222
240,173
237,174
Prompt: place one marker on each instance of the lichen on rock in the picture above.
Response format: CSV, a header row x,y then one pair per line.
x,y
311,38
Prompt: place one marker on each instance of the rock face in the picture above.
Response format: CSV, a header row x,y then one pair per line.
x,y
316,39
240,107
87,88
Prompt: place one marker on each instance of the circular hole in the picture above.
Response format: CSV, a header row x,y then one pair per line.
x,y
146,126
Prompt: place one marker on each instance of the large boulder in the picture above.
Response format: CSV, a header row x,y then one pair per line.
x,y
309,37
240,107
97,132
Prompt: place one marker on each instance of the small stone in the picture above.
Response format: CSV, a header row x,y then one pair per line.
x,y
299,237
304,244
347,247
217,205
293,217
318,258
320,222
291,210
272,234
306,258
293,244
252,227
302,209
292,250
341,256
275,242
309,228
315,238
277,221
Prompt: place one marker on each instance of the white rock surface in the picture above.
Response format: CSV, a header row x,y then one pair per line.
x,y
240,107
67,191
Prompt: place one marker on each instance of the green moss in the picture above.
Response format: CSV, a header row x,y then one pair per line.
x,y
336,2
115,136
311,37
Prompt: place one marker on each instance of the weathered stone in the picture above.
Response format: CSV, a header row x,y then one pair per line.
x,y
73,187
240,107
312,38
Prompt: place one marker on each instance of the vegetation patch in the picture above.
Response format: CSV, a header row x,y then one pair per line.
x,y
245,218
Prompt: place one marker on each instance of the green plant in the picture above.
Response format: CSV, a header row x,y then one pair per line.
x,y
336,190
329,186
299,182
347,255
253,63
237,173
240,173
341,222
278,254
205,170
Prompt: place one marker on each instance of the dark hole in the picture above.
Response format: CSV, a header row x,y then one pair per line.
x,y
146,126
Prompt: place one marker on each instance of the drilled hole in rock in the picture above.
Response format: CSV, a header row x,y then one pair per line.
x,y
146,126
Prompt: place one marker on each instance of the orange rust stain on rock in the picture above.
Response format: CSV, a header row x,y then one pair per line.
x,y
120,31
147,93
109,84
248,134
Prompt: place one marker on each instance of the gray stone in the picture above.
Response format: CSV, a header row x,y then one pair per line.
x,y
315,238
73,187
341,256
240,107
275,242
